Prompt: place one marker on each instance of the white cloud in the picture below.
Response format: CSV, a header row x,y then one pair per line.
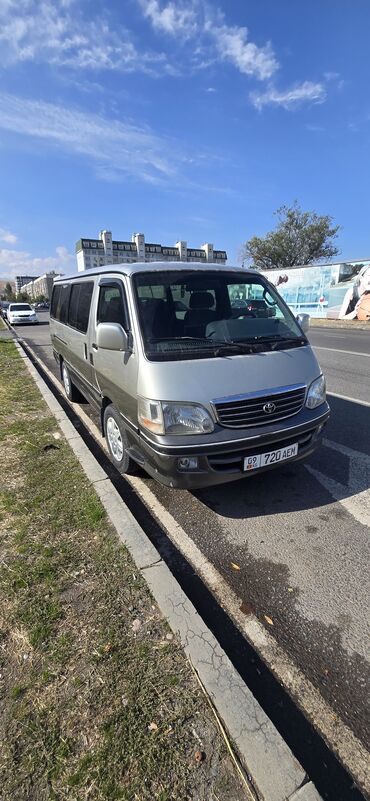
x,y
290,98
234,46
54,32
114,147
335,78
315,128
173,18
207,25
7,236
331,76
215,41
20,262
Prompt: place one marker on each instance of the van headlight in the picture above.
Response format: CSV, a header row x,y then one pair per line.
x,y
186,419
316,394
174,418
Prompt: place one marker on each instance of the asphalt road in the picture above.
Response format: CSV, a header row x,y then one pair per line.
x,y
299,535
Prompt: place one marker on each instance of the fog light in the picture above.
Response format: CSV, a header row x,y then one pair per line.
x,y
188,463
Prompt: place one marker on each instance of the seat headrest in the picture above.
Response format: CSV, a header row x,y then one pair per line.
x,y
201,300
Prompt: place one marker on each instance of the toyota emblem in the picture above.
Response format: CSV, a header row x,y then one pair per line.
x,y
269,408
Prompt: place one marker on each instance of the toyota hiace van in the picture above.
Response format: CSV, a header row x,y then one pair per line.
x,y
201,374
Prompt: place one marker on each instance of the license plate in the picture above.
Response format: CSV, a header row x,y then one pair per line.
x,y
272,457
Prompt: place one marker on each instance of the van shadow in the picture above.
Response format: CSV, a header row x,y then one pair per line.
x,y
292,488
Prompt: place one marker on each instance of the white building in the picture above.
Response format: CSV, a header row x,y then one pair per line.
x,y
41,285
97,252
21,280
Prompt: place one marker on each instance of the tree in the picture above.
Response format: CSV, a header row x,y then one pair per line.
x,y
8,291
301,237
24,297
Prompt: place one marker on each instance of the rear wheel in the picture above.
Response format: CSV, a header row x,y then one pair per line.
x,y
71,391
117,441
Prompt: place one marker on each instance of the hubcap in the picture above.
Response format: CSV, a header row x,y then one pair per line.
x,y
114,439
66,381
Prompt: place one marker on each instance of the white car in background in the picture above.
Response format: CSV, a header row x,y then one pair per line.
x,y
21,313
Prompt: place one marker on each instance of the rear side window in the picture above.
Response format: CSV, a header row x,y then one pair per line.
x,y
60,302
79,305
111,306
54,300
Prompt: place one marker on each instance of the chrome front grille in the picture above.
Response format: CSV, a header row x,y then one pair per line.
x,y
258,409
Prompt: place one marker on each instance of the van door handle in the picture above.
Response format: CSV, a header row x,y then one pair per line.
x,y
94,347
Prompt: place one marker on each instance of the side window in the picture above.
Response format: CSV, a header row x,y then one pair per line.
x,y
54,300
111,308
79,305
60,302
63,303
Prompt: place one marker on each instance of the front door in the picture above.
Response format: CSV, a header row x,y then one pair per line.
x,y
115,372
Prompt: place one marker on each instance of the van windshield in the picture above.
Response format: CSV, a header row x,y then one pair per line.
x,y
189,314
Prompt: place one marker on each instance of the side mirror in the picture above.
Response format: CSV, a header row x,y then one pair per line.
x,y
111,336
304,321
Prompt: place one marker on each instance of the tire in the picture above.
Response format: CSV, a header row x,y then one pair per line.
x,y
71,391
115,435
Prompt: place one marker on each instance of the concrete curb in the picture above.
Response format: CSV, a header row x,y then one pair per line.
x,y
276,774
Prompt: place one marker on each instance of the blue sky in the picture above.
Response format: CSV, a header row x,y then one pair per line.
x,y
191,120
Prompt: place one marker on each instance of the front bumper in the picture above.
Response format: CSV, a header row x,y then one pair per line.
x,y
221,459
23,321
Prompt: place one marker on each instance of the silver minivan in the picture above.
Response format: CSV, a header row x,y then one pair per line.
x,y
201,374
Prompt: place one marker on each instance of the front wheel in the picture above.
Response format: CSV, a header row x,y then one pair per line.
x,y
117,441
71,391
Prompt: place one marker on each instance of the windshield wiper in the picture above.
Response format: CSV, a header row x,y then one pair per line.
x,y
275,339
256,344
214,345
224,347
284,342
153,340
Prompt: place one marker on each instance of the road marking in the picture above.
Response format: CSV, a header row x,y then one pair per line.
x,y
338,350
337,446
348,398
335,336
354,496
